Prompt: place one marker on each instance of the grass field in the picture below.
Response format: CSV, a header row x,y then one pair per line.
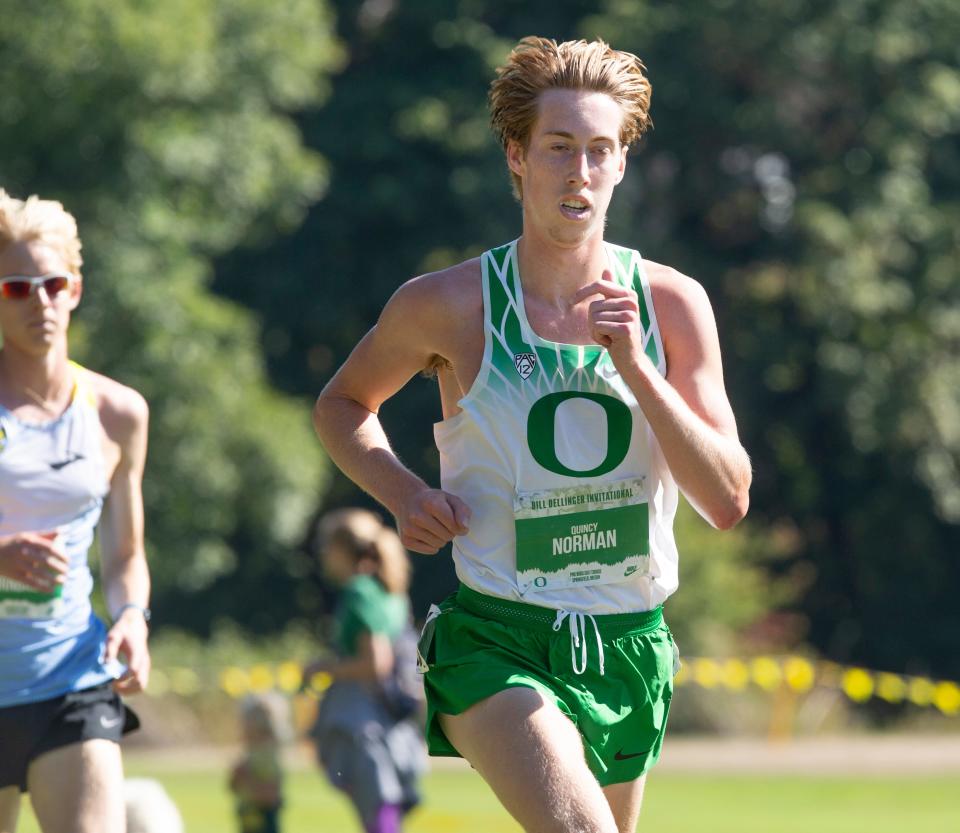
x,y
459,802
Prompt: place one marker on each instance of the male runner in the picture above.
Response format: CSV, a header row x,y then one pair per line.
x,y
69,438
580,387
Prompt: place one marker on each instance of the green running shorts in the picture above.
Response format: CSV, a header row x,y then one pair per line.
x,y
612,675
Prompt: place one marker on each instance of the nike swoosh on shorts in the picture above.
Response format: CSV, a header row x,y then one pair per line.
x,y
621,756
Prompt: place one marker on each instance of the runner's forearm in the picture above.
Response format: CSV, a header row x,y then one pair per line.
x,y
712,469
356,442
126,581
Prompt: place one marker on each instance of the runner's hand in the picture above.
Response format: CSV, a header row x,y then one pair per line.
x,y
430,519
127,640
614,319
33,559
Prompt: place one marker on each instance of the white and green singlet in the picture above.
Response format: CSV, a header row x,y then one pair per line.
x,y
572,501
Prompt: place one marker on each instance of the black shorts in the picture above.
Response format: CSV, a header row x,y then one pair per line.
x,y
31,729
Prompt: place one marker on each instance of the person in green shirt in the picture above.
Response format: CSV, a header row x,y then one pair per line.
x,y
366,733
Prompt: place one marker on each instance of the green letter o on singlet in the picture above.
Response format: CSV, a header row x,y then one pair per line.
x,y
541,432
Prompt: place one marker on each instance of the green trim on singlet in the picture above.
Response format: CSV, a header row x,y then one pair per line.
x,y
559,366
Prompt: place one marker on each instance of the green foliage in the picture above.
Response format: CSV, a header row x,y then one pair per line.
x,y
724,586
168,131
230,644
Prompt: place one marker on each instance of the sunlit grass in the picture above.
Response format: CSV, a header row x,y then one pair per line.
x,y
457,801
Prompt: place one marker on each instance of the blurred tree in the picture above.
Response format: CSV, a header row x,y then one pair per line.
x,y
167,130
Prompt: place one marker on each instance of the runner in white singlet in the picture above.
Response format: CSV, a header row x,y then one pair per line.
x,y
72,446
573,521
581,388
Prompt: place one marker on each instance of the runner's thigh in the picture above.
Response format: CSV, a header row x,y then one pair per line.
x,y
79,788
531,755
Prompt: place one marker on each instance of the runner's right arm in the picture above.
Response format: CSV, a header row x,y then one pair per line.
x,y
404,341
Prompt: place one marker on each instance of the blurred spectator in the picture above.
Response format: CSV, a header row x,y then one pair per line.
x,y
257,778
367,734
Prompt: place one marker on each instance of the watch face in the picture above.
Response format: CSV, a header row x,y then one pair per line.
x,y
145,611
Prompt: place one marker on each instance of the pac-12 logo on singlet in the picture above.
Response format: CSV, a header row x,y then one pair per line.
x,y
525,364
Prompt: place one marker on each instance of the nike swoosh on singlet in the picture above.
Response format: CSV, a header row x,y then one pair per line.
x,y
63,463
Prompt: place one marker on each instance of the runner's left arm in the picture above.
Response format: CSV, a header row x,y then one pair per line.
x,y
126,578
688,410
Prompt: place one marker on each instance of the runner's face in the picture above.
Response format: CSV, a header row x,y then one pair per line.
x,y
36,323
573,161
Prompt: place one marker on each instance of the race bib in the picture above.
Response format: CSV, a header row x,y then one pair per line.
x,y
20,601
581,535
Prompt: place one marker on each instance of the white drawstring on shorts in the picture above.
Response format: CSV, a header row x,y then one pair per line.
x,y
578,638
422,666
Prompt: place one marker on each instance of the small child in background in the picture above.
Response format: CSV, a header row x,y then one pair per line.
x,y
257,779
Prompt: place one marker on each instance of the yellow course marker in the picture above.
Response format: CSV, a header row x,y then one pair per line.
x,y
261,678
289,677
857,684
946,697
766,673
234,681
799,674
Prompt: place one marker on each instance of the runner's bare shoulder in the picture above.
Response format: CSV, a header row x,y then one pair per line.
x,y
123,411
445,308
678,299
448,293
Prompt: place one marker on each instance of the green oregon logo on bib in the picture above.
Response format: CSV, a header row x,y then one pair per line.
x,y
587,533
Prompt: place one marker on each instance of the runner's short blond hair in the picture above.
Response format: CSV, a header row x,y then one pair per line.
x,y
45,221
538,64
